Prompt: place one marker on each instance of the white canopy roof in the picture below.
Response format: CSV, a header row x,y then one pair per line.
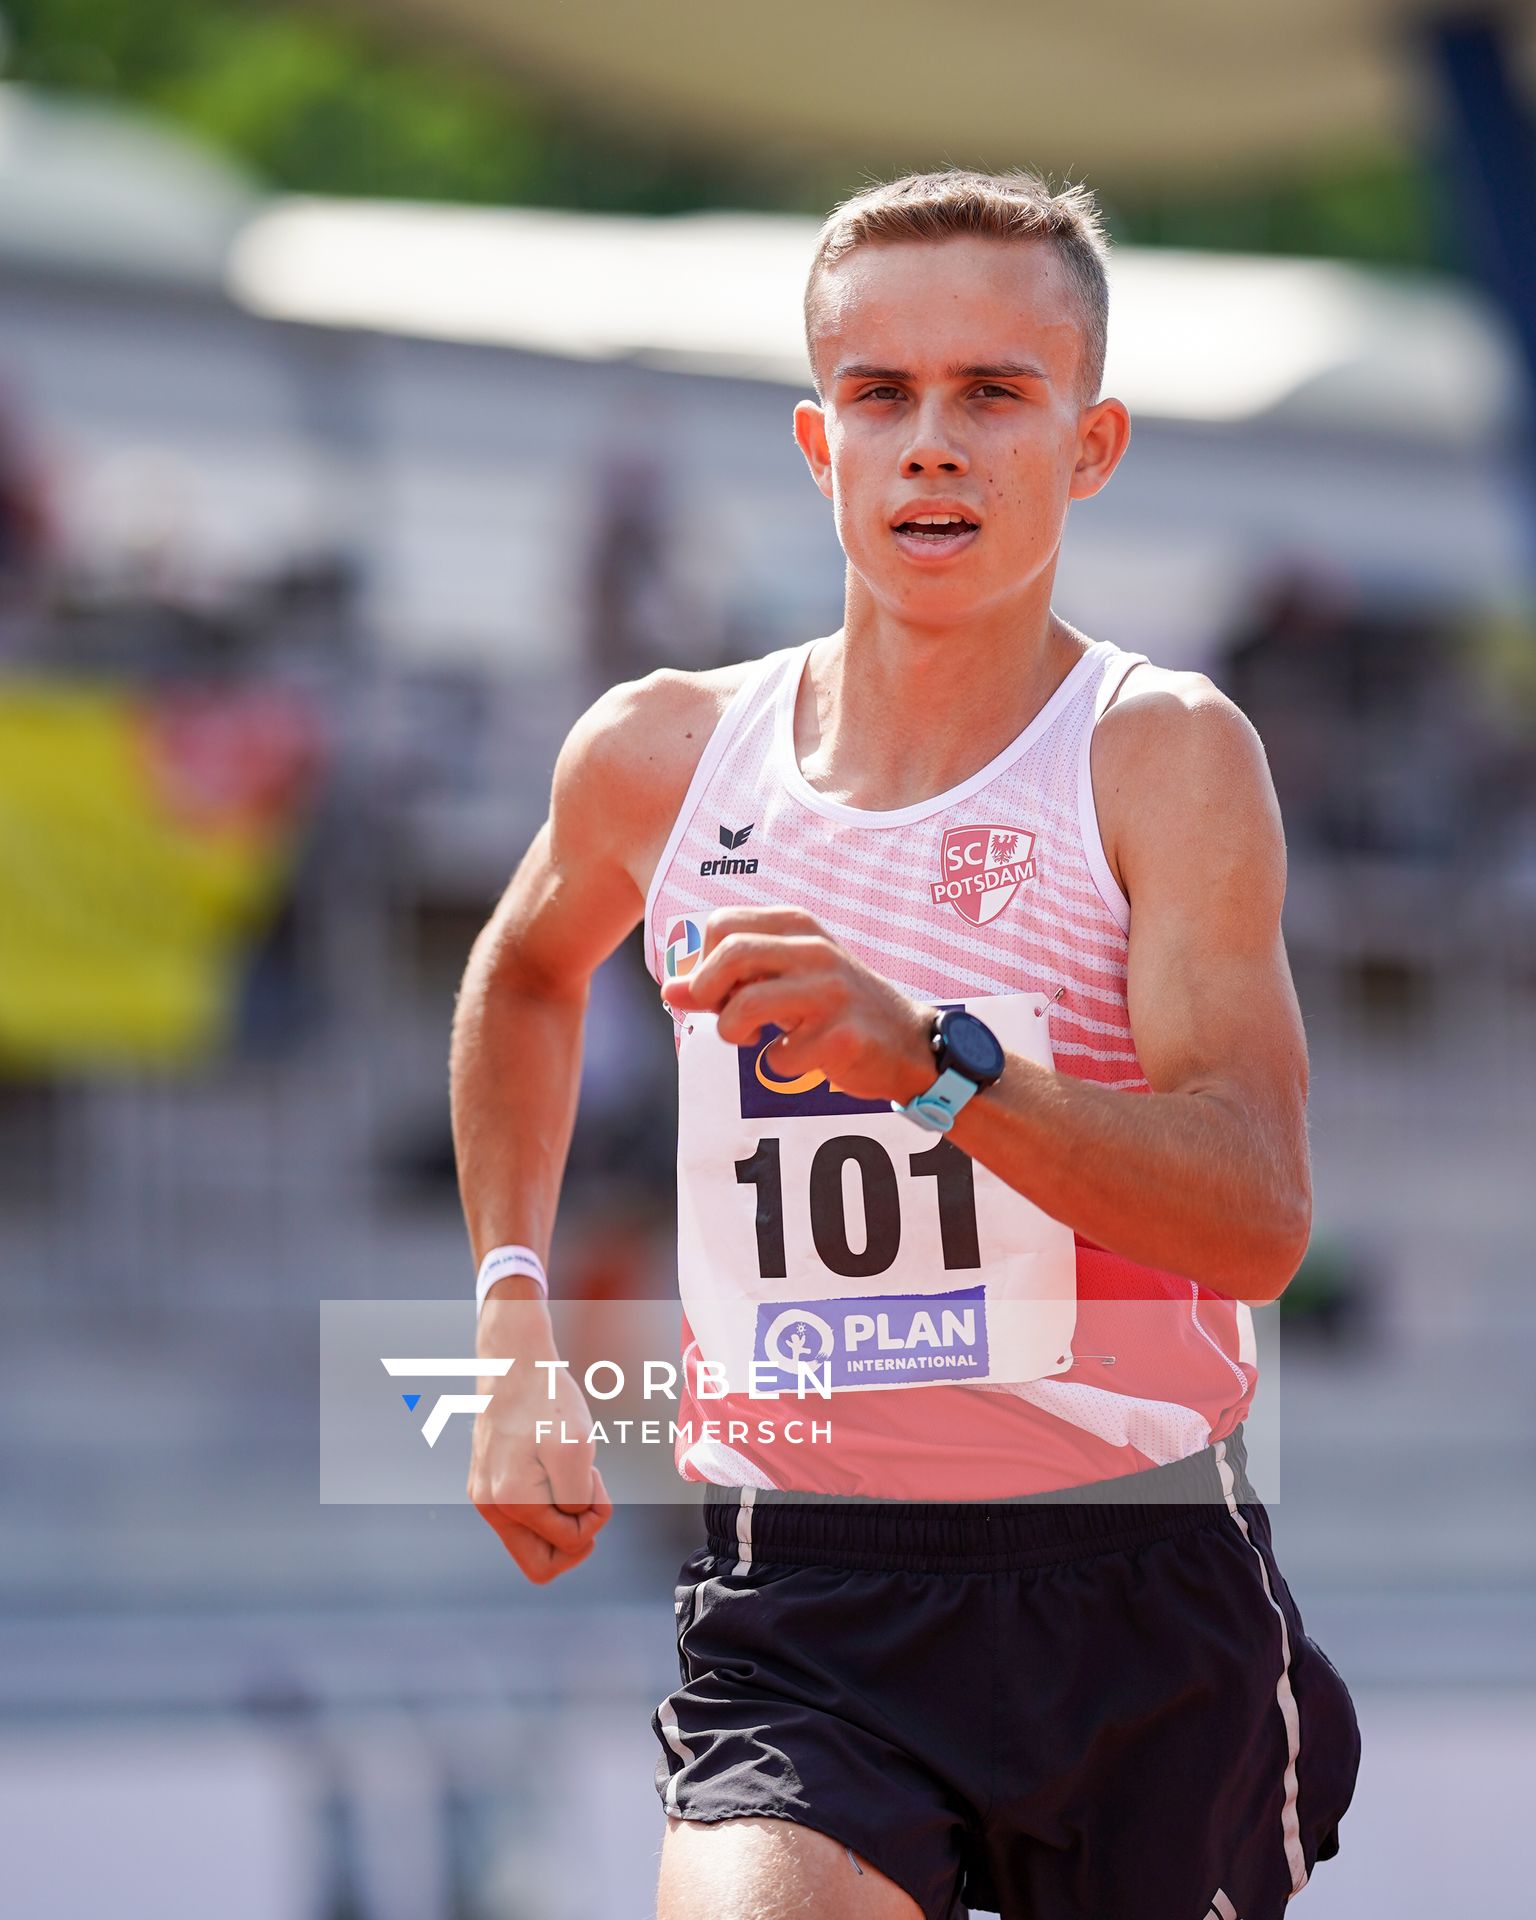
x,y
85,187
1193,336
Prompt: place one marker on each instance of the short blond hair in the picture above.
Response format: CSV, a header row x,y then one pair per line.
x,y
1018,205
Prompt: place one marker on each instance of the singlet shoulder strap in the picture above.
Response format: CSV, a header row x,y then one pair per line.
x,y
1117,664
758,683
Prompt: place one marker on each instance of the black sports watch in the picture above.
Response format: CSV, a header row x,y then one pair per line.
x,y
969,1058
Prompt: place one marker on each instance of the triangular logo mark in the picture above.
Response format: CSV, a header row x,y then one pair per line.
x,y
410,1400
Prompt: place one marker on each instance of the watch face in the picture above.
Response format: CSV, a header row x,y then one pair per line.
x,y
970,1047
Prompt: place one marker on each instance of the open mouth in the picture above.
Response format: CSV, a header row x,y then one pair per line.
x,y
936,527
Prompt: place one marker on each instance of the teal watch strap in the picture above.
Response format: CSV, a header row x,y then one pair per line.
x,y
936,1109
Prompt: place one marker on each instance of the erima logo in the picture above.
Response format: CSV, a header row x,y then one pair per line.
x,y
730,841
1221,1908
446,1405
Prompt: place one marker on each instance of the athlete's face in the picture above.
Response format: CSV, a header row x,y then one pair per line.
x,y
950,375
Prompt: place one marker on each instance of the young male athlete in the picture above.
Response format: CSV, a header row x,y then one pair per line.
x,y
992,1116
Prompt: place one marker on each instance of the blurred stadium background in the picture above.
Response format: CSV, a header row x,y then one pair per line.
x,y
376,385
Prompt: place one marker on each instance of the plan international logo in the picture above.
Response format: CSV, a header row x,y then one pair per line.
x,y
982,868
876,1340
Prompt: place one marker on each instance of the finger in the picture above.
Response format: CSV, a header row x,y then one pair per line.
x,y
678,993
783,1003
569,1470
557,1552
741,957
724,921
561,1530
735,960
583,1526
800,1051
566,1532
535,1556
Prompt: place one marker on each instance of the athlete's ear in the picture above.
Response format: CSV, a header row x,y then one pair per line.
x,y
811,438
1103,434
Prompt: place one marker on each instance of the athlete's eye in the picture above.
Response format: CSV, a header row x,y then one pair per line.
x,y
874,393
989,392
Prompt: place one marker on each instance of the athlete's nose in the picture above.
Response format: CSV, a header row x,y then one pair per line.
x,y
932,448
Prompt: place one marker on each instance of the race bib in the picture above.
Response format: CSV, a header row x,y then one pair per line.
x,y
819,1231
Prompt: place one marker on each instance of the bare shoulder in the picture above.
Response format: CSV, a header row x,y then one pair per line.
x,y
625,767
1172,753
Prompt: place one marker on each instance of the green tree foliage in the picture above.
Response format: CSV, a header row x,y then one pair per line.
x,y
330,102
1381,207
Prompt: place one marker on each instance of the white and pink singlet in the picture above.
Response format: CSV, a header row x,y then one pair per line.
x,y
944,1337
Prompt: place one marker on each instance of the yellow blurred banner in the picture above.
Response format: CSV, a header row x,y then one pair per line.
x,y
145,844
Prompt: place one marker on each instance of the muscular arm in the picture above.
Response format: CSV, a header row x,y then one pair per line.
x,y
515,1067
619,781
1207,1176
523,1000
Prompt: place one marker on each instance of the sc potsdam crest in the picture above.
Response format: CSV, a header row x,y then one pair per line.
x,y
982,868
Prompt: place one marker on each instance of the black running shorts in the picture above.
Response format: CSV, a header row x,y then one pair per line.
x,y
1083,1706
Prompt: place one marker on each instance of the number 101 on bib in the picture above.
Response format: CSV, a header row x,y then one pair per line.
x,y
814,1234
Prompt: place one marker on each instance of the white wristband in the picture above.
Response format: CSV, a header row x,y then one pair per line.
x,y
501,1261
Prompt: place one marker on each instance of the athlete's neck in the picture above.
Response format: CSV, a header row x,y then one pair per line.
x,y
890,715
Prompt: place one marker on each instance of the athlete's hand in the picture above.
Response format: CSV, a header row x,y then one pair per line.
x,y
545,1499
778,966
